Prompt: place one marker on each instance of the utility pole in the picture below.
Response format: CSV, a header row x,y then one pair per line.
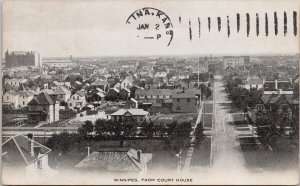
x,y
198,71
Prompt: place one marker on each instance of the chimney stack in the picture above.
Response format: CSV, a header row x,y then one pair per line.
x,y
139,152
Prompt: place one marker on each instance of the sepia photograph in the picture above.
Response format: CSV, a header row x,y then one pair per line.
x,y
111,92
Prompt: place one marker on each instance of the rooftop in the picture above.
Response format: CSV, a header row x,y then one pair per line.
x,y
134,112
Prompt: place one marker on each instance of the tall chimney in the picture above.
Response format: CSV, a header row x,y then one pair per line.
x,y
139,152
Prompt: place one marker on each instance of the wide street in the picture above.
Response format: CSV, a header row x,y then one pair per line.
x,y
226,150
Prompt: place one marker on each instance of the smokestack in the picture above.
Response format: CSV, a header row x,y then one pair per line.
x,y
139,152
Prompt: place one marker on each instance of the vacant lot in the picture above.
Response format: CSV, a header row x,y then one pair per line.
x,y
201,155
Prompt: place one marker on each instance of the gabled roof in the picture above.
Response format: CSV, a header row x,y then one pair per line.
x,y
82,94
42,99
191,93
155,92
134,112
119,159
17,151
48,91
99,82
61,90
274,98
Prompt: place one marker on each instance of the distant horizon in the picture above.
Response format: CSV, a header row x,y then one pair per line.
x,y
188,55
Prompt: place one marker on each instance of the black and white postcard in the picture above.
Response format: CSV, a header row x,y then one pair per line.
x,y
140,92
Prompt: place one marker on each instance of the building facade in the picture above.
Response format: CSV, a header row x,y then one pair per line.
x,y
22,58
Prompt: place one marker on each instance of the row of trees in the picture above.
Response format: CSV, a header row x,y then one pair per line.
x,y
241,97
109,129
120,130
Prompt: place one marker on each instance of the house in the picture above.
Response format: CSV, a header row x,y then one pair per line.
x,y
56,84
127,82
143,94
17,99
284,107
132,103
43,107
77,101
15,82
124,94
96,98
41,82
253,83
112,94
123,115
186,101
98,83
116,160
26,154
62,93
161,76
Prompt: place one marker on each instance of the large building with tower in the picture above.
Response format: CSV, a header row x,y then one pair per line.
x,y
22,58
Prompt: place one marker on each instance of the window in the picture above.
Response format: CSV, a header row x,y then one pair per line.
x,y
178,100
164,96
188,100
260,107
7,97
39,164
70,104
157,96
178,108
23,102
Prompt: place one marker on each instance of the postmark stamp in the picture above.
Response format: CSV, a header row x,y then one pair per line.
x,y
151,23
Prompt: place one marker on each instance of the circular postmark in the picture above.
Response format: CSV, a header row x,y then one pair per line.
x,y
152,24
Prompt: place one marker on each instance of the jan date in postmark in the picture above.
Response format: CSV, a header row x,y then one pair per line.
x,y
151,23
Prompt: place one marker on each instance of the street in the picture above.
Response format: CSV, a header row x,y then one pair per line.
x,y
226,151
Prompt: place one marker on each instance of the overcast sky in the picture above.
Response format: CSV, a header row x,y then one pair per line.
x,y
98,28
